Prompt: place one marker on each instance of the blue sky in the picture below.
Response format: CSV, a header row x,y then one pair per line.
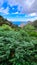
x,y
19,10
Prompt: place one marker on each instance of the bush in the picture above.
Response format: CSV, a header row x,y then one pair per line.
x,y
17,47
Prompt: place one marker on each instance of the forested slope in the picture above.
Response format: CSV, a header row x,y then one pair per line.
x,y
18,46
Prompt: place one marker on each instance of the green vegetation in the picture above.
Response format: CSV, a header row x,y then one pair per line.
x,y
35,24
18,46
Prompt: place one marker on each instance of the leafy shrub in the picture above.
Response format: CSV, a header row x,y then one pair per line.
x,y
17,47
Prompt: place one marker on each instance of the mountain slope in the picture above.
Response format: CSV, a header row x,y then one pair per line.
x,y
17,45
5,21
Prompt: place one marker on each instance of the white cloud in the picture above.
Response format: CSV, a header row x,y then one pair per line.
x,y
11,3
29,2
16,13
32,19
22,19
28,6
5,11
23,5
32,14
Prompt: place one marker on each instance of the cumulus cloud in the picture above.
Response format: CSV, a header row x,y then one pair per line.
x,y
14,2
32,14
16,13
22,19
24,6
5,11
28,7
34,7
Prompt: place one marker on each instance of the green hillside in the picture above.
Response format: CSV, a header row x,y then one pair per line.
x,y
35,24
18,46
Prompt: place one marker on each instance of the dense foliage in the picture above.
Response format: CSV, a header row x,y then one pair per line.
x,y
18,46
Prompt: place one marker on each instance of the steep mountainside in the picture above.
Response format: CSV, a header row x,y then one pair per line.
x,y
5,21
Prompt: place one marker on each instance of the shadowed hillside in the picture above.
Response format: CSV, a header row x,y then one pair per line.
x,y
35,23
5,21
